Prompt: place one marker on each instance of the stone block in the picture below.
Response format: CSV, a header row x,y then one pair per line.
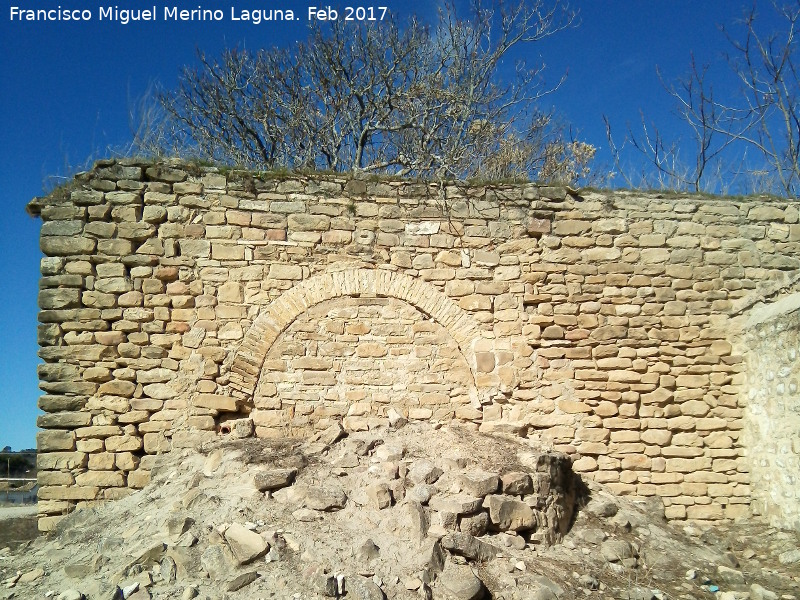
x,y
215,402
118,387
138,479
100,479
101,461
123,443
156,443
59,298
67,245
508,514
285,271
55,440
63,420
73,492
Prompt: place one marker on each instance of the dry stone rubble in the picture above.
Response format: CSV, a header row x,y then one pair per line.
x,y
202,528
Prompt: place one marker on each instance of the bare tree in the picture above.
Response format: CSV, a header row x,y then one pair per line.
x,y
748,142
380,97
769,119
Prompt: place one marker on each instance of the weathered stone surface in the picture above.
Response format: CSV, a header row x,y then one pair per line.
x,y
328,499
215,402
478,483
461,582
509,514
469,547
423,471
246,545
380,496
215,561
362,588
274,479
66,246
458,505
516,483
616,550
55,440
789,557
241,581
415,520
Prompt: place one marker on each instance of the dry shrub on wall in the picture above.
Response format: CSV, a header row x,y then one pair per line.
x,y
404,99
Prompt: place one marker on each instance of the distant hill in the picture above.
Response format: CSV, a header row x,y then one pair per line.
x,y
21,463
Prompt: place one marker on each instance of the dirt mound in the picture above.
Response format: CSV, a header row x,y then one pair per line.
x,y
414,512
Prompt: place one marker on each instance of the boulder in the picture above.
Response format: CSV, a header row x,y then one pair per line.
x,y
509,514
274,479
461,582
246,545
362,588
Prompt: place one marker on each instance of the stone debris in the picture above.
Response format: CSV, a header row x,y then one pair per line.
x,y
424,471
470,547
507,522
246,545
274,479
516,483
758,592
242,580
362,588
325,499
510,514
31,576
461,582
617,550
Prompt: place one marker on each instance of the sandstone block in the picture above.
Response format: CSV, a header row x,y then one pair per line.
x,y
215,402
516,483
509,514
101,479
156,443
284,271
118,387
63,420
59,298
478,483
123,443
126,461
101,461
160,391
74,492
274,479
246,545
53,440
306,222
97,431
66,245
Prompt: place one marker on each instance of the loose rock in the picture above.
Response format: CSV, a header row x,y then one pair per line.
x,y
461,582
242,580
246,545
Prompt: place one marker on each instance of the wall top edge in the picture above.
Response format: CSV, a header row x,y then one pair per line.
x,y
172,171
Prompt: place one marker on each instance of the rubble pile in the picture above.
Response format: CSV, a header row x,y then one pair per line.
x,y
411,512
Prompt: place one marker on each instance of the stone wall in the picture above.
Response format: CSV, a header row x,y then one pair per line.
x,y
772,415
607,325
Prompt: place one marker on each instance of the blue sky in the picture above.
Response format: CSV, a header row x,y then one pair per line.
x,y
67,89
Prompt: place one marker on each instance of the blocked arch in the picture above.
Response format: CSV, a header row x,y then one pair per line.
x,y
281,312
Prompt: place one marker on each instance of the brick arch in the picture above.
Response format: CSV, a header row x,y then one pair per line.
x,y
280,313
